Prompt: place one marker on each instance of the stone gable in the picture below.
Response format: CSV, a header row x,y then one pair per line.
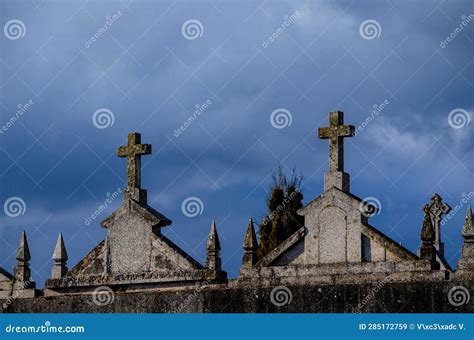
x,y
130,234
334,224
134,251
336,237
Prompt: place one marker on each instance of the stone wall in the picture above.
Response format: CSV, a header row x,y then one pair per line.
x,y
234,297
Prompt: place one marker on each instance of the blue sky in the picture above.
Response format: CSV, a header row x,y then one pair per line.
x,y
150,73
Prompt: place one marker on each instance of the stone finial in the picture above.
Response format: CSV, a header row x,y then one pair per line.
x,y
466,262
23,272
336,132
59,259
213,248
468,228
23,286
427,235
427,249
133,151
250,246
213,243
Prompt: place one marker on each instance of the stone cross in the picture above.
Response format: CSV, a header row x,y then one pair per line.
x,y
336,132
437,208
133,151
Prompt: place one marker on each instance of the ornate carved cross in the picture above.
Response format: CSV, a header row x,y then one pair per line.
x,y
335,132
437,208
133,151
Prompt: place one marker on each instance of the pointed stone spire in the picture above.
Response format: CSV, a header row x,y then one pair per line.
x,y
23,286
23,251
468,228
22,272
59,259
427,249
427,234
213,248
250,246
213,243
466,262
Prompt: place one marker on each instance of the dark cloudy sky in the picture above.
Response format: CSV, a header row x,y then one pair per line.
x,y
151,64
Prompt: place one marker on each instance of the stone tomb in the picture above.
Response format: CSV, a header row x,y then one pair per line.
x,y
135,252
337,240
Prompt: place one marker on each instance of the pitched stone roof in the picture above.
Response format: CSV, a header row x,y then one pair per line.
x,y
5,276
153,217
388,243
271,257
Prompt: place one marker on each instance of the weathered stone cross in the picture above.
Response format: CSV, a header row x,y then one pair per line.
x,y
133,151
335,132
437,208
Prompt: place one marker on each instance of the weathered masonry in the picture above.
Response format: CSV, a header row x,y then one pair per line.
x,y
337,262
